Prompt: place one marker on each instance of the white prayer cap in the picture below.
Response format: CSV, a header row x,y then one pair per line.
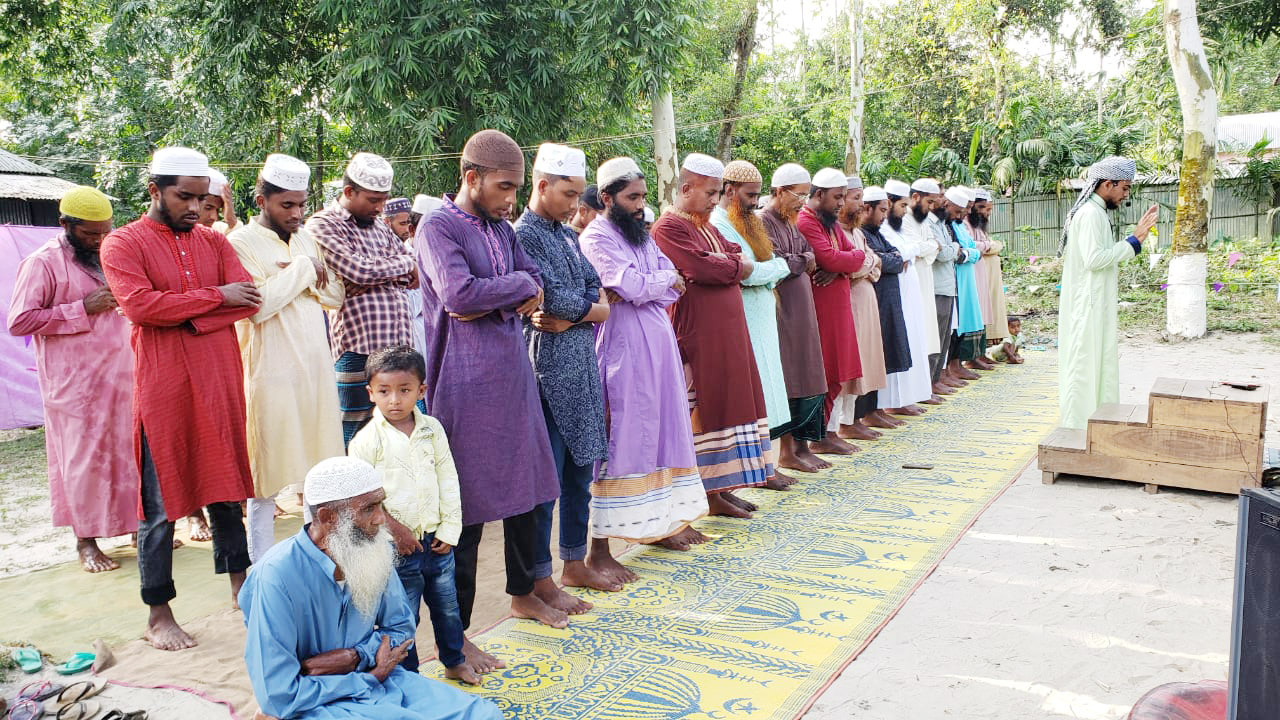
x,y
928,186
371,172
179,161
982,194
286,172
829,178
339,478
554,159
648,214
789,174
615,169
853,182
958,195
874,193
217,182
897,187
424,205
703,165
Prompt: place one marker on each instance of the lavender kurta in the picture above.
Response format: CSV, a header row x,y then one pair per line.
x,y
480,384
85,369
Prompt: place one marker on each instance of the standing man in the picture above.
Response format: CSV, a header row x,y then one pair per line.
x,y
589,206
648,490
218,209
479,286
995,312
728,413
396,213
62,301
291,395
951,208
906,388
1089,365
375,269
735,217
925,194
966,342
562,346
183,288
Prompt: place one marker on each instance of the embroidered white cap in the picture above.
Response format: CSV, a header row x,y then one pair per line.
x,y
789,174
371,172
339,478
554,159
703,165
286,172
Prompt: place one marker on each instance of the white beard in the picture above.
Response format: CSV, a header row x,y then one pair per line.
x,y
366,563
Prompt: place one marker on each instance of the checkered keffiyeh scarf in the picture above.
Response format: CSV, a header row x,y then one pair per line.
x,y
1108,168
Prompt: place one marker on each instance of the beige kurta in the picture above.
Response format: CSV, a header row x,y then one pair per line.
x,y
866,321
293,421
991,289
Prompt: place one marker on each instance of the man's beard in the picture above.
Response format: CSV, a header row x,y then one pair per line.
x,y
751,228
631,227
977,221
895,222
366,562
919,213
173,224
85,257
363,223
1111,204
828,219
788,214
942,214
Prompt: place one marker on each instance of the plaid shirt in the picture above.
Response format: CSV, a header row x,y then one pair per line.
x,y
375,268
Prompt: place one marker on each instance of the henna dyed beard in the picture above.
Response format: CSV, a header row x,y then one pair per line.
x,y
751,228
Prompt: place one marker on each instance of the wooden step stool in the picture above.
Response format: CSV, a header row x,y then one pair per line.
x,y
1193,434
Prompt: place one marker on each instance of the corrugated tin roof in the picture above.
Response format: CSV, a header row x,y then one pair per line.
x,y
33,187
10,163
1242,132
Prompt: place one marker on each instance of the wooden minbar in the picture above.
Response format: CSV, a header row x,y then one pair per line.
x,y
1195,434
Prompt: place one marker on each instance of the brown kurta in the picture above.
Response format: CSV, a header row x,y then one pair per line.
x,y
866,319
798,339
710,324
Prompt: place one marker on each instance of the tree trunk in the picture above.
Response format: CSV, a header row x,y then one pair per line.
x,y
743,45
853,144
664,148
1199,103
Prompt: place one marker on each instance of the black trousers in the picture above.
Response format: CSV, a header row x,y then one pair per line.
x,y
865,404
520,548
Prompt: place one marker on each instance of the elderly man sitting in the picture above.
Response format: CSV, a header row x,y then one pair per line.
x,y
327,619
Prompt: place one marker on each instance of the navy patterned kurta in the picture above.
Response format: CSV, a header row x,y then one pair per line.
x,y
565,362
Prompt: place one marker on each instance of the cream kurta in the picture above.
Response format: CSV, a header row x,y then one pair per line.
x,y
293,421
926,249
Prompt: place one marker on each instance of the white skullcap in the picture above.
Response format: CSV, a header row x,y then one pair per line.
x,y
286,172
339,478
854,182
179,161
648,214
789,174
874,193
957,195
615,169
703,165
928,186
829,178
424,205
371,172
897,187
217,182
982,194
554,159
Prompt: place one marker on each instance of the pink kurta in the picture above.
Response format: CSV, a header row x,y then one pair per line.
x,y
85,368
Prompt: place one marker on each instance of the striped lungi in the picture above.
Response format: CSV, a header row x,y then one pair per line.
x,y
353,393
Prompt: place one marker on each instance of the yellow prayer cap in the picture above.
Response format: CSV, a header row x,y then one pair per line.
x,y
85,203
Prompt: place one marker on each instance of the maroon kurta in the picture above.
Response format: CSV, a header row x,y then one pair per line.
x,y
188,390
834,253
710,324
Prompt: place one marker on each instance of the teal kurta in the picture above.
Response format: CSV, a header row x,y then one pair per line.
x,y
970,318
761,308
1088,354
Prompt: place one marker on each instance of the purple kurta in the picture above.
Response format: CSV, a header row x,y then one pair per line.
x,y
85,367
480,384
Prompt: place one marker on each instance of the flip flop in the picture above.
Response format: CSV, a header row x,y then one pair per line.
x,y
78,663
28,658
39,691
75,692
26,710
79,711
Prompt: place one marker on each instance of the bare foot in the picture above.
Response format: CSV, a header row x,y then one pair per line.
x,y
602,561
909,411
198,529
881,419
463,673
532,607
805,453
280,512
721,506
693,536
672,542
933,400
478,660
833,445
163,631
796,462
857,431
776,482
237,582
91,557
740,502
964,373
577,574
941,388
548,592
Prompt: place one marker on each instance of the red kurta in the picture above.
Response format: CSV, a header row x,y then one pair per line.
x,y
188,390
710,324
834,253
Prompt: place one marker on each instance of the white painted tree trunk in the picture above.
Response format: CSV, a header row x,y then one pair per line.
x,y
664,148
853,145
1188,264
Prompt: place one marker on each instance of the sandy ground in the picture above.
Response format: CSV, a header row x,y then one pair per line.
x,y
1070,600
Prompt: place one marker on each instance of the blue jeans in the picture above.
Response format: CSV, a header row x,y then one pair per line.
x,y
575,504
428,576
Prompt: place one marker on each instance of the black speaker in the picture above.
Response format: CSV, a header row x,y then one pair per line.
x,y
1255,620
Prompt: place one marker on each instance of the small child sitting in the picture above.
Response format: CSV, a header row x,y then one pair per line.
x,y
424,504
1008,352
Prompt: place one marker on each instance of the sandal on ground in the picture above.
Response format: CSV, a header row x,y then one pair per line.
x,y
75,692
85,710
39,691
26,710
78,663
28,658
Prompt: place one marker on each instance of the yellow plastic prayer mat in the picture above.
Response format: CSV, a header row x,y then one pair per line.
x,y
758,621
